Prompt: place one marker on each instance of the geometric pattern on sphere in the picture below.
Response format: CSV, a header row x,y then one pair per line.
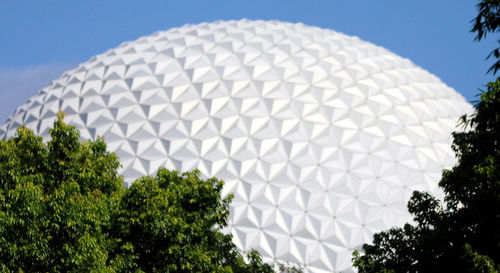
x,y
321,137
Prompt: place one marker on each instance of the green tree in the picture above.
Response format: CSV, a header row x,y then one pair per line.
x,y
463,235
488,21
63,208
57,202
173,223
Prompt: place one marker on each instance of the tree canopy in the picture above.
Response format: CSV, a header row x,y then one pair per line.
x,y
63,208
488,21
462,235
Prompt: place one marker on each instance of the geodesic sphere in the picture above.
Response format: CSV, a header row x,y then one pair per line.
x,y
321,137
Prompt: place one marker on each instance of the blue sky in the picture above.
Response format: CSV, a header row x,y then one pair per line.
x,y
41,39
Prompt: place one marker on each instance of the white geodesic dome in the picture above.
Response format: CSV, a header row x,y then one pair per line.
x,y
321,137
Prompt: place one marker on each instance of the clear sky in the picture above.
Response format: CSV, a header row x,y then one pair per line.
x,y
41,39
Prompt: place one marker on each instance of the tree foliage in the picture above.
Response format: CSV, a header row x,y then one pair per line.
x,y
57,202
172,221
463,234
488,21
63,208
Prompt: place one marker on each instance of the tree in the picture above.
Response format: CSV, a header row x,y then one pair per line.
x,y
462,235
488,21
172,222
57,201
63,208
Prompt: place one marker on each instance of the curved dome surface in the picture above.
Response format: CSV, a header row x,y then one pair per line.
x,y
321,137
